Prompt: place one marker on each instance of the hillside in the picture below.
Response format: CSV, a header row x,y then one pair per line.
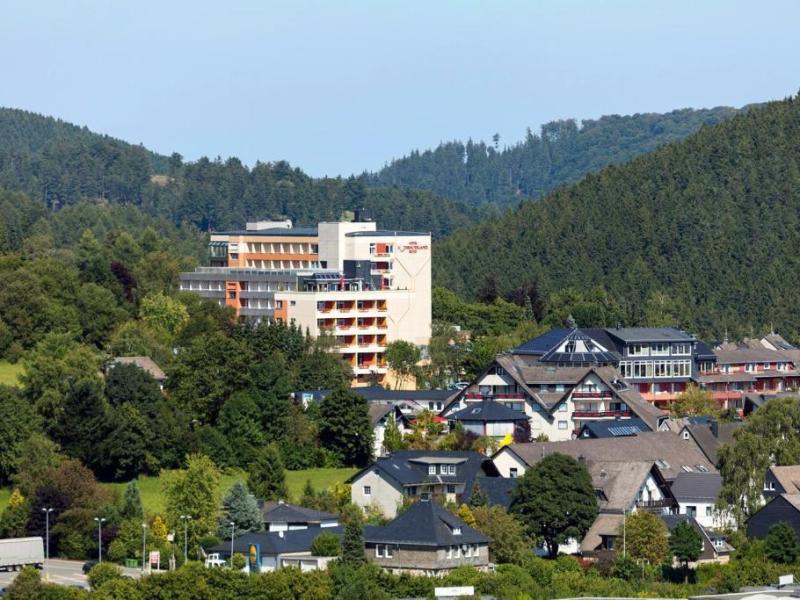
x,y
711,222
563,152
61,165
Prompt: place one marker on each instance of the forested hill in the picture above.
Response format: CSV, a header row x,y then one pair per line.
x,y
706,227
62,164
563,152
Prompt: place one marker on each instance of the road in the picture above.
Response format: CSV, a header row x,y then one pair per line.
x,y
63,572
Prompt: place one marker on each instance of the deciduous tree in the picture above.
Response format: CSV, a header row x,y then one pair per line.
x,y
646,537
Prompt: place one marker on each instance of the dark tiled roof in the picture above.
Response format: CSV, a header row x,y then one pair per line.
x,y
410,467
424,523
488,411
275,231
614,428
377,393
497,489
704,352
385,233
697,486
649,334
710,436
750,355
280,512
272,544
542,343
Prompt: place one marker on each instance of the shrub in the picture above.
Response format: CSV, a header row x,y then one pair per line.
x,y
102,573
239,562
326,544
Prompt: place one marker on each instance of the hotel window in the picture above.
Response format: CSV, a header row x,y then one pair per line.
x,y
452,470
367,490
638,350
562,425
626,369
443,469
660,349
682,349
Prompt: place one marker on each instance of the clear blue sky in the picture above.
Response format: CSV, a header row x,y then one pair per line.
x,y
342,86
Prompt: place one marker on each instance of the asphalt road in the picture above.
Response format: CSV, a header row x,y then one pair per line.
x,y
62,572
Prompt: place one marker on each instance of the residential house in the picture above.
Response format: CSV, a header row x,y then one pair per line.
x,y
145,363
410,402
279,549
280,516
709,436
381,416
621,487
559,397
612,429
492,419
426,539
782,508
407,475
781,480
715,547
696,495
671,454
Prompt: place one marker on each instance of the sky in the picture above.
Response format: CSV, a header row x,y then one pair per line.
x,y
344,86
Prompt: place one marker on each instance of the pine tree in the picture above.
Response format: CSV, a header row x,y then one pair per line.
x,y
240,507
477,496
353,542
266,476
132,502
309,497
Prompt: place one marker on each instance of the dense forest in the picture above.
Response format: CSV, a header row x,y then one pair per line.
x,y
61,165
702,231
476,173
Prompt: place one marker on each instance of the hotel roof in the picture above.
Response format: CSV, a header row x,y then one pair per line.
x,y
275,231
385,233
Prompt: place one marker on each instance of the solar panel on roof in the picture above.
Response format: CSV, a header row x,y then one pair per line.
x,y
624,430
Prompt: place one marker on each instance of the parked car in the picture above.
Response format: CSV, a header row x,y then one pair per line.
x,y
87,566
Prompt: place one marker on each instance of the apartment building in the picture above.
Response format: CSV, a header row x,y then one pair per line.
x,y
362,286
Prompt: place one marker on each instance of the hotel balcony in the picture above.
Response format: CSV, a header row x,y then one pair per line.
x,y
599,414
599,395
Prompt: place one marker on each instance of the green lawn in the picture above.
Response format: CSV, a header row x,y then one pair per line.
x,y
153,501
9,373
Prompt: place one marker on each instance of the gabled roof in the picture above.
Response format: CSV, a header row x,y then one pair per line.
x,y
701,487
788,477
273,544
424,523
410,467
709,437
619,482
488,411
376,393
669,451
281,512
605,525
613,428
750,355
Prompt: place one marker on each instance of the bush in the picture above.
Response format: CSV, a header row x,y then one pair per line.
x,y
102,573
782,545
326,544
239,562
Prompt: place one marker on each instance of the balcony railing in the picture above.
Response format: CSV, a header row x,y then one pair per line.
x,y
601,413
598,395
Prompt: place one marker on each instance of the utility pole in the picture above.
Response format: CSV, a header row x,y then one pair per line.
x,y
233,528
185,519
144,545
99,522
47,512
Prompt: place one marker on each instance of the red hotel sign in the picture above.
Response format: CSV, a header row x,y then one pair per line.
x,y
412,247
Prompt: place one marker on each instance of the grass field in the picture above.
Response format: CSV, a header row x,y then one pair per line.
x,y
9,373
153,500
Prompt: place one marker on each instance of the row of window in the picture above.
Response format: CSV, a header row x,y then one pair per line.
x,y
655,368
275,248
443,469
467,550
659,349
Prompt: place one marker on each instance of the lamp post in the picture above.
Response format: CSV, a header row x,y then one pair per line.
x,y
185,519
99,522
46,512
233,528
144,544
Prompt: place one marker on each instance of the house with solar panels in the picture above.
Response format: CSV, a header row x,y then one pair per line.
x,y
560,383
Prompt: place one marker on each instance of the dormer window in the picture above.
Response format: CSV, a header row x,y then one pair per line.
x,y
456,530
431,469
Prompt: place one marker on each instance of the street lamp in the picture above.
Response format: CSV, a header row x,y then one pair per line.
x,y
99,522
233,528
185,519
144,544
46,512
